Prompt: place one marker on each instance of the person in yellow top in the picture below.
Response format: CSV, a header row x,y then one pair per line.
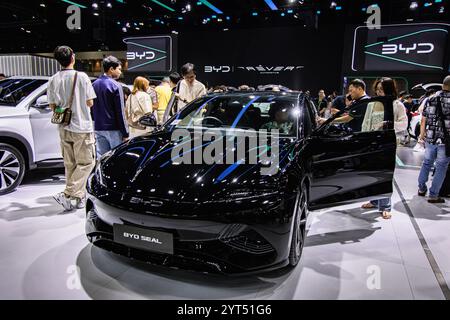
x,y
164,92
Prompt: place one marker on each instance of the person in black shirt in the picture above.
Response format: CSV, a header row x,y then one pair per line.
x,y
339,103
434,132
321,101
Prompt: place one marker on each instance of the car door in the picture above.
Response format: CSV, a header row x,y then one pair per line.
x,y
45,133
355,159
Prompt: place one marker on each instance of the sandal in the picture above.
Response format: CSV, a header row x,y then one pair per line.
x,y
386,215
368,205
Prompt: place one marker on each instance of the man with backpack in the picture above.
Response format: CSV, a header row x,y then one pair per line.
x,y
435,133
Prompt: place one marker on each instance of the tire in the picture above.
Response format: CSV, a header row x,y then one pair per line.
x,y
12,168
299,230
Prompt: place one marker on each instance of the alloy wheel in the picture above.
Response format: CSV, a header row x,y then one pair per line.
x,y
11,168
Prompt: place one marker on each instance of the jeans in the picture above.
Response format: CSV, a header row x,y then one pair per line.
x,y
107,140
433,152
382,204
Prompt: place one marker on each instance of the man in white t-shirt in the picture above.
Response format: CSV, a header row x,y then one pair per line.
x,y
190,87
77,138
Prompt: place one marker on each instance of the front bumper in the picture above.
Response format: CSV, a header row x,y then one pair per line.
x,y
199,245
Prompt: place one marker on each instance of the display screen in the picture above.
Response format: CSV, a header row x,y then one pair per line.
x,y
418,47
149,54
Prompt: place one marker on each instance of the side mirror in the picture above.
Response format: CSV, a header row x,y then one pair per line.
x,y
148,120
42,102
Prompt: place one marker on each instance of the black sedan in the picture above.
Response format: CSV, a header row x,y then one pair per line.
x,y
184,196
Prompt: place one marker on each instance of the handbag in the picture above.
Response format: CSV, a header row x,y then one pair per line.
x,y
131,113
64,115
444,128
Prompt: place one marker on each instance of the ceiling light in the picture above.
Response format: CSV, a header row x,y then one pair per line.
x,y
109,5
272,5
95,5
333,5
163,5
209,5
414,5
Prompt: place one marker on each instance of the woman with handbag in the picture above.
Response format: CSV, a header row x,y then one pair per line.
x,y
138,104
373,120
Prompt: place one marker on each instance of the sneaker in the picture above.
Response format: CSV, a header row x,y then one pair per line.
x,y
80,203
63,200
436,200
421,193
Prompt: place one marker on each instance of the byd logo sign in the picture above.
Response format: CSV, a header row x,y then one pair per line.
x,y
219,69
145,55
419,48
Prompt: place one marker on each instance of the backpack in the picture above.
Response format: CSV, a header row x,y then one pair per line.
x,y
134,111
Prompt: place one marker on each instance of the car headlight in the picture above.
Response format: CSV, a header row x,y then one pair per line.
x,y
247,194
99,167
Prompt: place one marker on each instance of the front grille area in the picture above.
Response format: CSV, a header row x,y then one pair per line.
x,y
236,250
240,237
250,245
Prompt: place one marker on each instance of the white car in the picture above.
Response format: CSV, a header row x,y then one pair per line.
x,y
27,137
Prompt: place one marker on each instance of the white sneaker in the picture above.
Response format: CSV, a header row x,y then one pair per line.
x,y
80,203
64,201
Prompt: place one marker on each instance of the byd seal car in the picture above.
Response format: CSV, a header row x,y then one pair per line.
x,y
232,218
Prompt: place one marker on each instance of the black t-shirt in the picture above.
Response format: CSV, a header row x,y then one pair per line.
x,y
320,105
339,103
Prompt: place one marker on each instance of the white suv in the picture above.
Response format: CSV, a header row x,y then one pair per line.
x,y
27,137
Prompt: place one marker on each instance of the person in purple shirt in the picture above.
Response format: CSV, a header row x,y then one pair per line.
x,y
111,128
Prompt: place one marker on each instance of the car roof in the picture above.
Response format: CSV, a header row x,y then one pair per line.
x,y
29,77
426,86
294,94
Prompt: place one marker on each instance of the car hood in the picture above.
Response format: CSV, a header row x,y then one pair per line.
x,y
9,111
146,167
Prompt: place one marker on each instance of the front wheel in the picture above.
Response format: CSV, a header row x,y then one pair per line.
x,y
12,168
299,230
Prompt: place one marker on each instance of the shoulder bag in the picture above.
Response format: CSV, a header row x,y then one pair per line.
x,y
64,115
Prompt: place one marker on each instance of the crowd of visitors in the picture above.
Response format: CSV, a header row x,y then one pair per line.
x,y
106,113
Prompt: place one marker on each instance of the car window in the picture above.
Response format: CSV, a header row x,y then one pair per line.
x,y
241,112
13,91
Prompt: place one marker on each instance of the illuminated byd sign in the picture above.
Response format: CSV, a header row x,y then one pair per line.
x,y
145,55
219,69
414,48
402,47
149,54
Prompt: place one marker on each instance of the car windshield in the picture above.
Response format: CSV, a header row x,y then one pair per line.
x,y
241,112
12,91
